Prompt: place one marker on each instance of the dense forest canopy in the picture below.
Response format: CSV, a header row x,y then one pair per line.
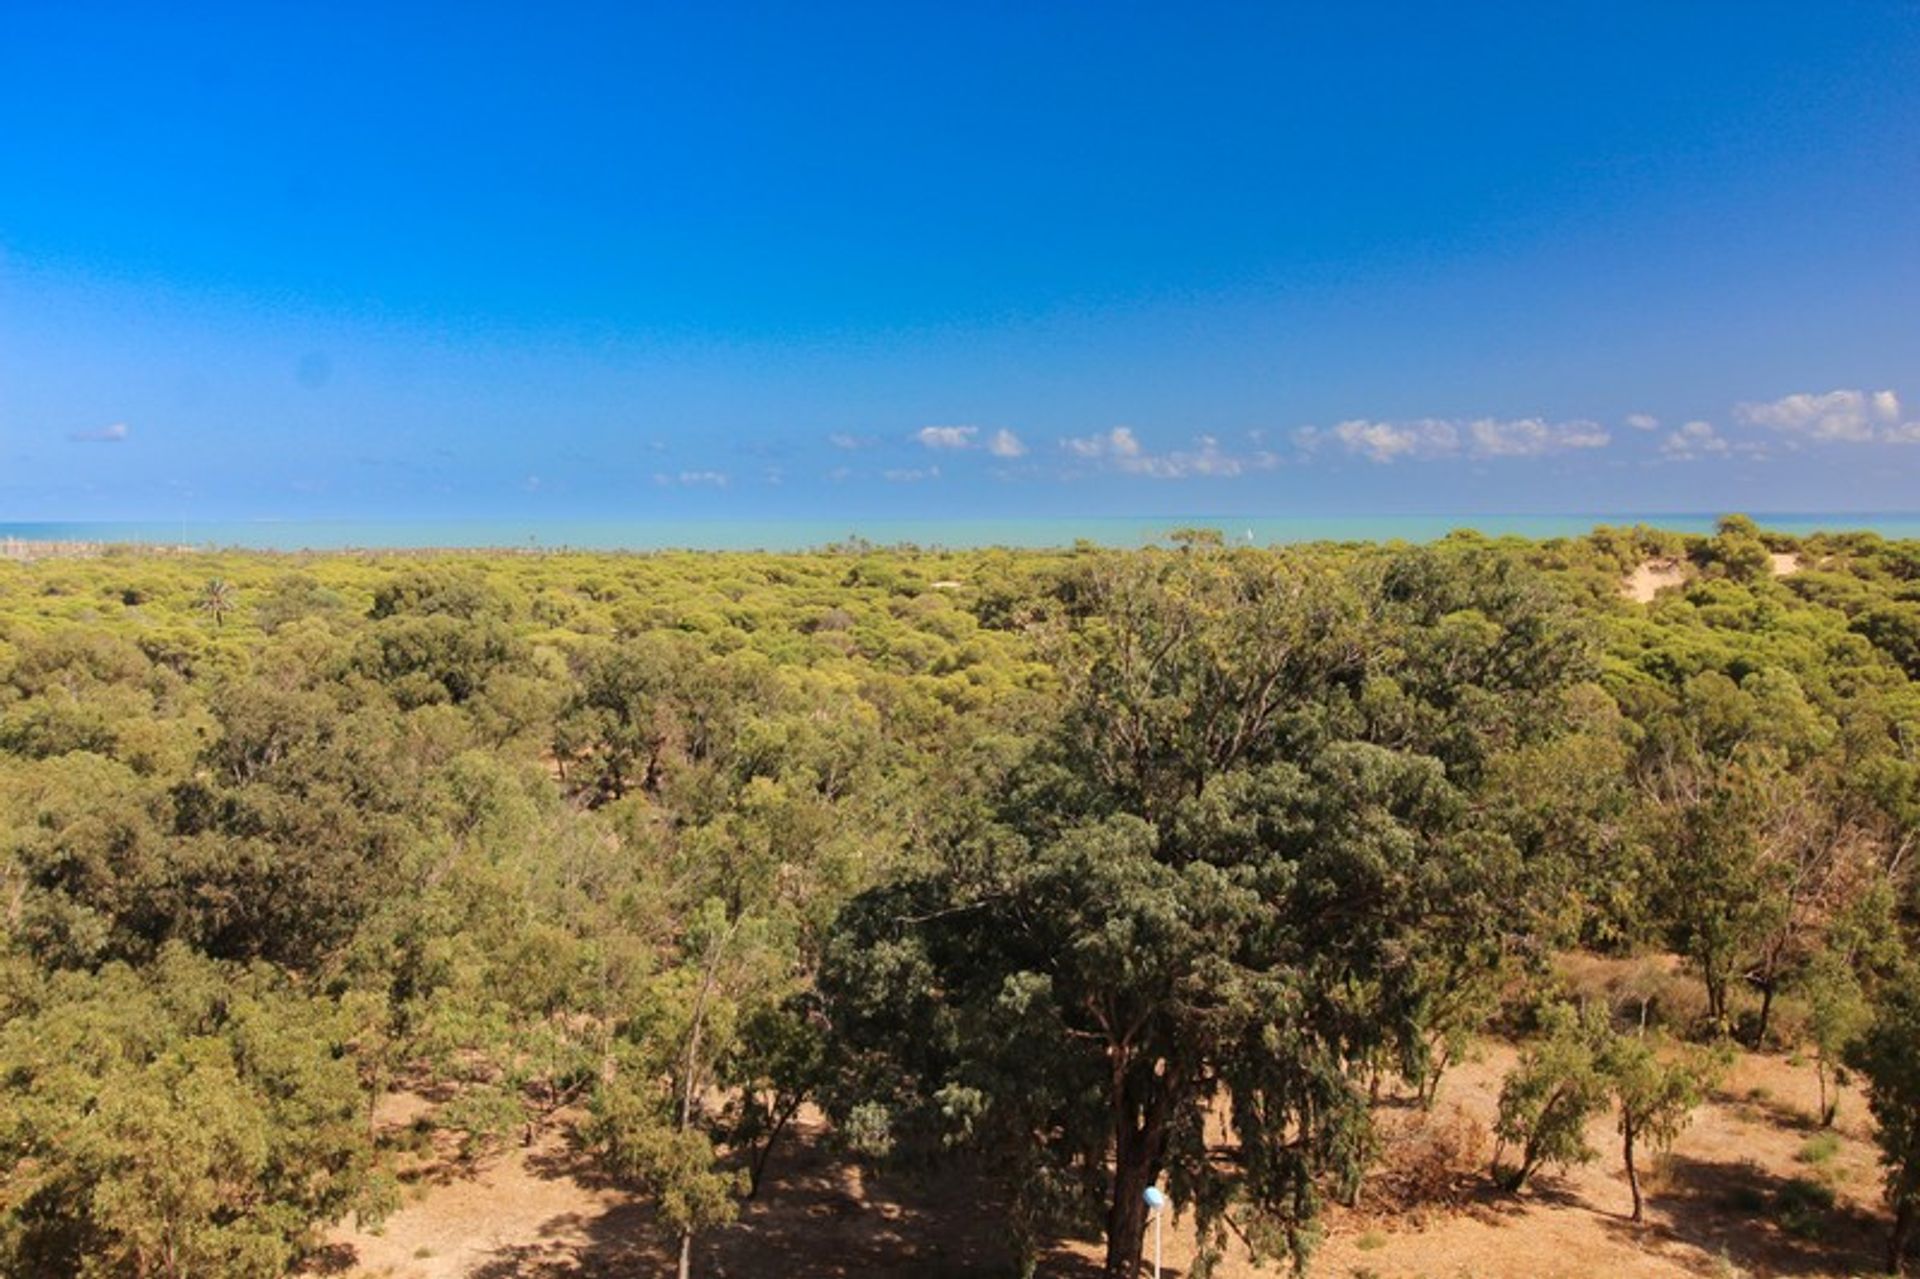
x,y
1090,870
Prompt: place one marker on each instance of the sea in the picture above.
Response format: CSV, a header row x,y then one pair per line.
x,y
809,534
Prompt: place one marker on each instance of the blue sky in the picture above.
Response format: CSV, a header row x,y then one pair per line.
x,y
938,260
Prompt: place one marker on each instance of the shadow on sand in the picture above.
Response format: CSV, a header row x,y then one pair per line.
x,y
819,1216
1760,1221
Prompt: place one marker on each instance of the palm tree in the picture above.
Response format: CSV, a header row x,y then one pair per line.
x,y
217,599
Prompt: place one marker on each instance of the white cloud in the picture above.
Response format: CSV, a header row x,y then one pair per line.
x,y
1852,417
1006,444
1206,459
1532,437
692,479
910,475
1119,442
105,435
1387,441
947,437
1643,421
849,442
1120,450
1694,439
1441,437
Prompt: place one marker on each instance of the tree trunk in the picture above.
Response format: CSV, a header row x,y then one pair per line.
x,y
1897,1243
374,1088
1633,1174
1716,1001
1429,1091
1766,1011
690,1064
758,1167
1127,1216
1139,1146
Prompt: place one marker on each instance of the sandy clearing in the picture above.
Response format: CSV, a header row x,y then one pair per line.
x,y
1650,578
540,1211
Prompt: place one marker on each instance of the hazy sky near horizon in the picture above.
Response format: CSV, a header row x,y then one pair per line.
x,y
568,261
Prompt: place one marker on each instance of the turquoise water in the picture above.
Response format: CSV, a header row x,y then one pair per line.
x,y
787,535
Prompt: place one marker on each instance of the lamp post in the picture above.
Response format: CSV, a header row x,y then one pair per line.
x,y
1156,1208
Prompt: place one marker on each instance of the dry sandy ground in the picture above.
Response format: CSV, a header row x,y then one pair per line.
x,y
1650,578
538,1211
1700,1220
541,1211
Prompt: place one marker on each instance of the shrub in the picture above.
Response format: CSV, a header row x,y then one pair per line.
x,y
1426,1158
1819,1149
1546,1100
1802,1207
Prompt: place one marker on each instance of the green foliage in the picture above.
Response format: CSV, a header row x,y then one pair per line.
x,y
1655,1088
1818,1149
1545,1102
217,599
1735,551
1886,1055
1839,1014
1804,1208
1029,859
643,1142
1224,868
188,1119
1722,895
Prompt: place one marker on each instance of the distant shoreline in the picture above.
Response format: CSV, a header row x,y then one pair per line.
x,y
173,537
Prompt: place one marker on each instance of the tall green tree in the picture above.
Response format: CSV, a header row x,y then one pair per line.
x,y
1837,1014
1547,1099
1224,878
190,1119
1886,1055
1656,1088
218,599
650,1119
